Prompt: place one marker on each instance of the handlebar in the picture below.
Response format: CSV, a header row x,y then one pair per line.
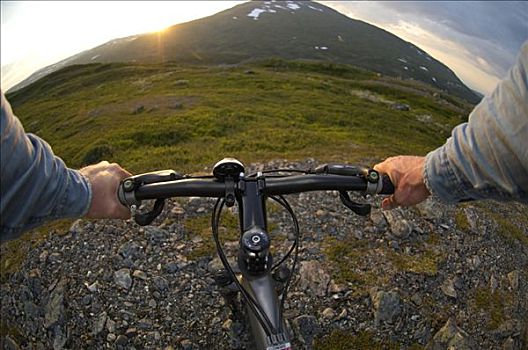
x,y
211,187
229,181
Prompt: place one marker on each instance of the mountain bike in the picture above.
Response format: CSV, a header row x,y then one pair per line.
x,y
261,282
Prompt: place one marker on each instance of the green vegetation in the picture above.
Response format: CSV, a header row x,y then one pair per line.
x,y
423,263
461,220
507,229
494,304
344,258
143,117
510,219
340,339
352,262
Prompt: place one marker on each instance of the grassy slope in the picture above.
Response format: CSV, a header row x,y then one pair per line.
x,y
186,117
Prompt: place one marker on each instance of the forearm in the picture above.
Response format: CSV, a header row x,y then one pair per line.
x,y
488,156
36,185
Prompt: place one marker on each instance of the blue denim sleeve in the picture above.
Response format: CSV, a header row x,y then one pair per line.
x,y
36,186
487,157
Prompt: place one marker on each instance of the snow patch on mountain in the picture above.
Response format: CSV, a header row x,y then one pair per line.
x,y
267,7
256,13
293,6
315,8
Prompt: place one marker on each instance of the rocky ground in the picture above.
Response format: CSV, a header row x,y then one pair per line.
x,y
433,276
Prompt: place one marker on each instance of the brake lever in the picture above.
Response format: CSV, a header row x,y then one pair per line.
x,y
144,219
126,193
358,208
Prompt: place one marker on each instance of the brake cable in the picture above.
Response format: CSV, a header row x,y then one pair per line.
x,y
255,307
295,246
296,240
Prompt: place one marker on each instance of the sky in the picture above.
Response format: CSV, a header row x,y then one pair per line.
x,y
478,40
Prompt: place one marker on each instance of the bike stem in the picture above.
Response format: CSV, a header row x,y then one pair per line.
x,y
255,260
254,257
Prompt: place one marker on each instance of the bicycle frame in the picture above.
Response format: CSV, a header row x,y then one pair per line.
x,y
252,204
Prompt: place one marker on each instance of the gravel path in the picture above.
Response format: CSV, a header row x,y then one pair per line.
x,y
407,278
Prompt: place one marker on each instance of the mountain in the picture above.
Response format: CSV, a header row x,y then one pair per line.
x,y
290,30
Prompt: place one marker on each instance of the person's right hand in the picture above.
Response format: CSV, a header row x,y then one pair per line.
x,y
105,179
406,173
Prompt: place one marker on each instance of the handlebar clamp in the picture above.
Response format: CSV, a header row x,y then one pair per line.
x,y
374,182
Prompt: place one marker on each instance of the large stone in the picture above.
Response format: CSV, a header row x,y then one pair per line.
x,y
399,226
378,219
99,323
513,277
10,344
161,284
472,216
129,249
307,329
313,278
451,337
55,307
77,227
431,209
60,337
387,305
122,278
448,288
156,234
400,106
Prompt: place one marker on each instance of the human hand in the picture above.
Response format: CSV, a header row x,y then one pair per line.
x,y
105,179
406,173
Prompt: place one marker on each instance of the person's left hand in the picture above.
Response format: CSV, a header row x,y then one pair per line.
x,y
105,179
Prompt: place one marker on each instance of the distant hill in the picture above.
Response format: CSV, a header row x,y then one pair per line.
x,y
285,29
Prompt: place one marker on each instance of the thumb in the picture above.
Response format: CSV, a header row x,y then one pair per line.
x,y
381,167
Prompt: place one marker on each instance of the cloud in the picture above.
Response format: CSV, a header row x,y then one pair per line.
x,y
473,38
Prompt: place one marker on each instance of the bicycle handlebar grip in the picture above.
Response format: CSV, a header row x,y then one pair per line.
x,y
387,185
121,194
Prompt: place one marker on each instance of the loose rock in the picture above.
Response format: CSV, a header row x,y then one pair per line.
x,y
448,287
307,328
399,226
122,278
313,277
451,337
513,278
387,305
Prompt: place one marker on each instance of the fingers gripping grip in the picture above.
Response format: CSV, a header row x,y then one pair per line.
x,y
387,185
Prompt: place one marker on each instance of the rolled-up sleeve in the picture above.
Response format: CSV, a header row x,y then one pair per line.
x,y
487,157
36,186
